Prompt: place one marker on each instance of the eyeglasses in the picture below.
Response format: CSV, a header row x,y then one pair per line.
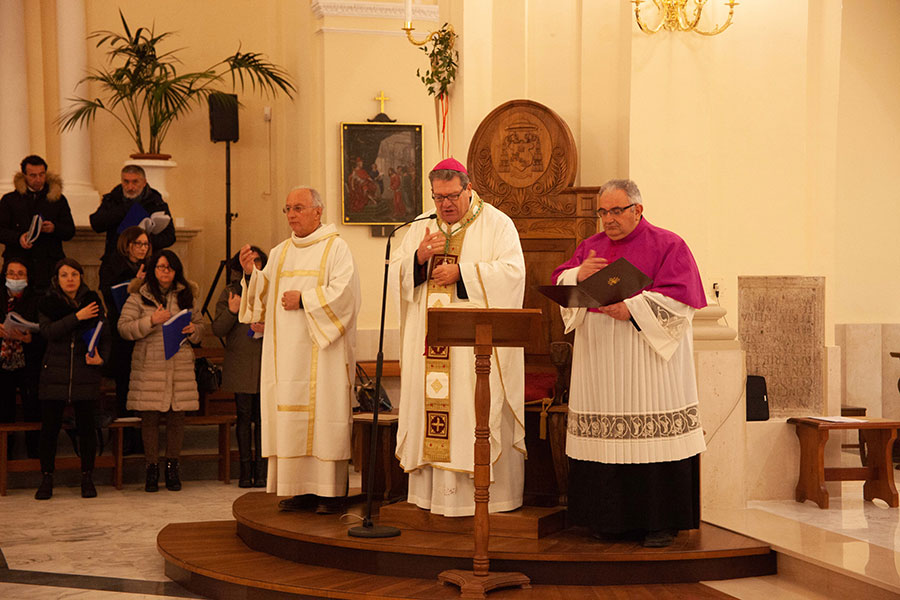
x,y
141,244
295,208
616,212
164,268
438,199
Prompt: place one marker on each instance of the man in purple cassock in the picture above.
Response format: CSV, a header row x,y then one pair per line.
x,y
634,434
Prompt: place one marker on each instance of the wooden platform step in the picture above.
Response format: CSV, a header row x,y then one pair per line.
x,y
209,559
530,522
566,557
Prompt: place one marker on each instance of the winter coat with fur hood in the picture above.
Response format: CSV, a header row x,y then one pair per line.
x,y
65,375
157,383
17,208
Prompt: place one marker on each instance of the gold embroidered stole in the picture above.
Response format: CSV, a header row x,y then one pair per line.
x,y
436,444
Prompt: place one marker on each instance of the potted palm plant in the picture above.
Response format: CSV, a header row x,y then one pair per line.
x,y
143,88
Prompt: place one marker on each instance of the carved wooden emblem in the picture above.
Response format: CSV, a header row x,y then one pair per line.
x,y
521,158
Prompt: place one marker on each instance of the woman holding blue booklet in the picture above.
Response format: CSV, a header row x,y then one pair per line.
x,y
72,322
161,386
116,272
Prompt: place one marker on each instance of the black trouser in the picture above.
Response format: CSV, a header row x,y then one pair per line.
x,y
25,382
51,423
121,372
247,406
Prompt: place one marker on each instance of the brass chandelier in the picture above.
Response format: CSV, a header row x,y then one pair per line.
x,y
681,15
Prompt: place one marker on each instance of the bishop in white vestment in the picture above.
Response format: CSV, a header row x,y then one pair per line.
x,y
634,431
308,296
469,256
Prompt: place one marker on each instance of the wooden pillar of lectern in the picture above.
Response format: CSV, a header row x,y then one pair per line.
x,y
484,329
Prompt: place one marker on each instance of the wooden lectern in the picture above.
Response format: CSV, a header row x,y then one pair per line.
x,y
484,329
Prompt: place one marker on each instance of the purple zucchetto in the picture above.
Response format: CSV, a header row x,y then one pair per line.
x,y
450,164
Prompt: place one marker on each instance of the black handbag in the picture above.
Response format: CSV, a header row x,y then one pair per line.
x,y
365,393
209,375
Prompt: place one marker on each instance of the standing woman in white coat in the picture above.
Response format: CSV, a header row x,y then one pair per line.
x,y
160,387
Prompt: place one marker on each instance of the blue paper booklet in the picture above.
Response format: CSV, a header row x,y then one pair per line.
x,y
119,294
133,217
91,337
171,330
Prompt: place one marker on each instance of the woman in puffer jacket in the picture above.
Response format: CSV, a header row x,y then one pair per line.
x,y
160,387
69,374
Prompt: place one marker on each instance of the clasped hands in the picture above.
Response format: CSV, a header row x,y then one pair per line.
x,y
591,265
431,244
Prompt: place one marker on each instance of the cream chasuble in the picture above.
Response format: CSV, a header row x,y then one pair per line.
x,y
307,361
493,269
633,396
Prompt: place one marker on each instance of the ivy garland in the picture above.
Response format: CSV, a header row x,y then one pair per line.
x,y
443,61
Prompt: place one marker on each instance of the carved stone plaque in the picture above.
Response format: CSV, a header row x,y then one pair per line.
x,y
782,329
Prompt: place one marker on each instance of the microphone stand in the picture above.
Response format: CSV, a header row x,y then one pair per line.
x,y
368,529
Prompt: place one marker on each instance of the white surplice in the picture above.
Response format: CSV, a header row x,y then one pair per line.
x,y
633,395
493,269
308,361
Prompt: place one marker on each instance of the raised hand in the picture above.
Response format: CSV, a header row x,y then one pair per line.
x,y
591,265
88,312
246,258
431,244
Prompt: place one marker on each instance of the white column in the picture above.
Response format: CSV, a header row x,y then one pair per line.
x,y
15,140
75,144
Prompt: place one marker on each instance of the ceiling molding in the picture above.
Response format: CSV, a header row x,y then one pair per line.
x,y
379,10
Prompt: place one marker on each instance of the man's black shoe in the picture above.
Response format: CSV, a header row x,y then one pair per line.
x,y
330,506
304,502
660,539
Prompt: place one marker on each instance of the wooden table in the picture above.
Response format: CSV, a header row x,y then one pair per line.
x,y
391,483
879,436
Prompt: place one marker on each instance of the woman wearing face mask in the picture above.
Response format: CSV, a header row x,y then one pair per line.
x,y
160,387
20,359
70,375
127,263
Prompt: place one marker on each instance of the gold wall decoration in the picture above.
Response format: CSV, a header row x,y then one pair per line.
x,y
680,15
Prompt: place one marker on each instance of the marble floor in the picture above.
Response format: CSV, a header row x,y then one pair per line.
x,y
105,548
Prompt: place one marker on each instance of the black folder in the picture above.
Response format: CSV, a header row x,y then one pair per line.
x,y
615,282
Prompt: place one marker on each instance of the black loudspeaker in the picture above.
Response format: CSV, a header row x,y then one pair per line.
x,y
223,117
757,399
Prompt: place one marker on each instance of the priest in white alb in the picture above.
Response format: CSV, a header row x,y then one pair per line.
x,y
634,434
308,296
470,256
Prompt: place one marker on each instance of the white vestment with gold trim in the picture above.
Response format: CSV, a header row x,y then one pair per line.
x,y
308,361
493,269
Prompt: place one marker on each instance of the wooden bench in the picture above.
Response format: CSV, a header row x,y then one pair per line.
x,y
879,436
115,458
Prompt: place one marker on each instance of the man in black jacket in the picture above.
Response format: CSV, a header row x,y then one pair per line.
x,y
36,193
115,206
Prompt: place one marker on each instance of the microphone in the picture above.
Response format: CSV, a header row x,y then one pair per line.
x,y
367,529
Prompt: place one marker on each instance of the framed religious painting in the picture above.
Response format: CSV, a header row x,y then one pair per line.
x,y
381,170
